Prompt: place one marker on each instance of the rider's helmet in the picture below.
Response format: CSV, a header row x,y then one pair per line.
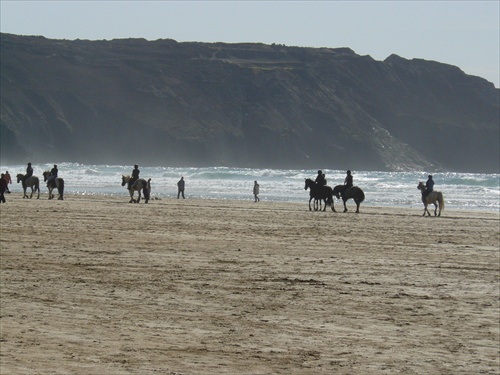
x,y
319,172
136,166
348,171
430,176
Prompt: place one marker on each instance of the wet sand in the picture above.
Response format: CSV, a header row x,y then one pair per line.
x,y
95,285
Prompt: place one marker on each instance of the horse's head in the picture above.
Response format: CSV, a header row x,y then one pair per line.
x,y
309,183
336,191
421,186
46,175
125,179
19,177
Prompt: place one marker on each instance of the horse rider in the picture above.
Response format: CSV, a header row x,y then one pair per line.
x,y
320,179
135,176
8,180
53,175
348,183
429,186
29,173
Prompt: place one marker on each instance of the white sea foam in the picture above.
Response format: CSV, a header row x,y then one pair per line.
x,y
461,190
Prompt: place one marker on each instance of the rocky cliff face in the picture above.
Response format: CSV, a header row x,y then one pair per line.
x,y
248,105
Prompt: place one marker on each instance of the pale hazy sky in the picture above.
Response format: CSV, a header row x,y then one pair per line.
x,y
461,33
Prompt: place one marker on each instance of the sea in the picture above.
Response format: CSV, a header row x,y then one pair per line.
x,y
470,191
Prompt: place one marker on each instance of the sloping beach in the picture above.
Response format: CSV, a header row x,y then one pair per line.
x,y
95,285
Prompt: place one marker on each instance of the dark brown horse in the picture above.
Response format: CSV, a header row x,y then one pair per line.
x,y
57,182
31,182
319,193
353,192
138,185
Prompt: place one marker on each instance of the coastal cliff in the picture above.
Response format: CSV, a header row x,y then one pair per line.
x,y
247,105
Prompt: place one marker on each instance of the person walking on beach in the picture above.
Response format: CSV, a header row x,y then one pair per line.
x,y
256,192
180,188
135,176
3,187
8,180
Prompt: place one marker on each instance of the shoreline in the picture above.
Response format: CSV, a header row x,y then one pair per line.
x,y
17,195
206,286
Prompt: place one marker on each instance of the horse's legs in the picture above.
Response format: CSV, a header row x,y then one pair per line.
x,y
426,210
357,206
310,199
435,208
345,207
139,199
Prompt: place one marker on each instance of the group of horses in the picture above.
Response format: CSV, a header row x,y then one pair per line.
x,y
33,183
317,192
326,193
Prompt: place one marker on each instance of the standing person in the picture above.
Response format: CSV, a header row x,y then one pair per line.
x,y
429,186
256,192
8,180
135,176
53,175
180,188
3,187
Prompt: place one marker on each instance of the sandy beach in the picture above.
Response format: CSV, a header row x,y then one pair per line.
x,y
95,285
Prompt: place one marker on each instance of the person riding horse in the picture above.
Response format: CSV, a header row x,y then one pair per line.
x,y
429,186
135,176
53,175
348,182
29,173
320,179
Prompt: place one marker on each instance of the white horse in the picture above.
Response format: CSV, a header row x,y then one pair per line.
x,y
57,182
434,197
138,185
31,182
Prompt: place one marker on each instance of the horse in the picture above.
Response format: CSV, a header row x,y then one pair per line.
x,y
434,197
138,185
319,193
31,182
353,192
57,182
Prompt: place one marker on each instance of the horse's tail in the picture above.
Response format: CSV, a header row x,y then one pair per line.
x,y
361,195
61,188
146,189
37,186
329,196
441,201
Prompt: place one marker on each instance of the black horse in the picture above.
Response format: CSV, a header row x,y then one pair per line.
x,y
354,192
324,193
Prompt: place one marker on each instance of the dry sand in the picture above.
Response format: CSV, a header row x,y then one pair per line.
x,y
95,285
